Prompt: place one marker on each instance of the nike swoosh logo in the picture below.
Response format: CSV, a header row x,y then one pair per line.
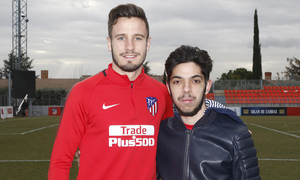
x,y
107,107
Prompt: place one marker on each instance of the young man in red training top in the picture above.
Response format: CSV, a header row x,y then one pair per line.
x,y
114,116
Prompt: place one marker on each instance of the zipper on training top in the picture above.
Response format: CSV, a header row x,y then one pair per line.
x,y
186,155
132,97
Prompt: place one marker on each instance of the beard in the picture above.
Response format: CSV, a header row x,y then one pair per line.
x,y
128,67
195,110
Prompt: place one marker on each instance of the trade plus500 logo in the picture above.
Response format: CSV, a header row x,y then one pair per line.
x,y
128,135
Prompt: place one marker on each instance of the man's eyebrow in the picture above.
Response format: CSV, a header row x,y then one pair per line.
x,y
121,34
142,35
195,76
178,77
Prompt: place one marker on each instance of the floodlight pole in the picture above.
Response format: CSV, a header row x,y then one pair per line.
x,y
9,89
19,39
19,32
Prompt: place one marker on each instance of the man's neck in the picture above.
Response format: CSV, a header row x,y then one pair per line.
x,y
191,120
131,75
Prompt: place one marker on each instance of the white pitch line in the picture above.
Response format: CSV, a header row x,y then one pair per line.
x,y
26,132
274,130
38,129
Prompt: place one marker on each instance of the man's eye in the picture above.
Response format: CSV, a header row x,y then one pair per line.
x,y
197,81
138,38
176,82
121,38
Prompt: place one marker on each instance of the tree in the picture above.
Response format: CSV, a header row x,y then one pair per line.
x,y
237,74
293,70
146,68
256,66
9,66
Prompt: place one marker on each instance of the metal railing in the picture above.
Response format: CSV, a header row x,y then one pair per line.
x,y
251,84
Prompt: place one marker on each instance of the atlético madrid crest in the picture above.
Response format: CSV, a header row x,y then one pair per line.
x,y
152,105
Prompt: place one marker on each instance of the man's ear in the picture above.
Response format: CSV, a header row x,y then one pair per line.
x,y
108,43
208,86
168,87
148,43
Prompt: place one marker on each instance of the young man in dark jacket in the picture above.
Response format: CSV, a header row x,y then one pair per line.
x,y
203,140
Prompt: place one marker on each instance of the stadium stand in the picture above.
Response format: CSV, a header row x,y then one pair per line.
x,y
269,94
210,96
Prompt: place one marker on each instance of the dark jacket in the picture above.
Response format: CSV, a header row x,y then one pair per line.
x,y
218,147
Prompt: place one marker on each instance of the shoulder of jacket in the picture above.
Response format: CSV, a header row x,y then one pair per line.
x,y
90,82
230,114
165,121
230,126
83,89
168,121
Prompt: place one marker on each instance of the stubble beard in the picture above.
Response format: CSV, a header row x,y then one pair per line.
x,y
129,67
194,111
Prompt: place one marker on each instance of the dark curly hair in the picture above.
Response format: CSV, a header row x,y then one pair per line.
x,y
185,54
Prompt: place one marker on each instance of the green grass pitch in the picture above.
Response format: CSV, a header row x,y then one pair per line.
x,y
26,144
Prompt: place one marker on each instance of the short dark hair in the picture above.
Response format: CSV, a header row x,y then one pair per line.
x,y
126,10
185,54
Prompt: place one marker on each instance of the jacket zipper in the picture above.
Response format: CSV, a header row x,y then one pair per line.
x,y
186,155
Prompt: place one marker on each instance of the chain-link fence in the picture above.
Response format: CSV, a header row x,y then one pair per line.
x,y
237,84
3,100
251,84
47,97
50,97
43,97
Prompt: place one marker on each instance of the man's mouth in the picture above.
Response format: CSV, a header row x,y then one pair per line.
x,y
129,55
186,100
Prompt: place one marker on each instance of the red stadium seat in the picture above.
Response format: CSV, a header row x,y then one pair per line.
x,y
248,100
256,101
267,95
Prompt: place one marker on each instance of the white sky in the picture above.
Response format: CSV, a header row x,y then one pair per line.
x,y
68,37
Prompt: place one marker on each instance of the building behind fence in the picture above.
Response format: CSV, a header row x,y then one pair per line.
x,y
56,95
